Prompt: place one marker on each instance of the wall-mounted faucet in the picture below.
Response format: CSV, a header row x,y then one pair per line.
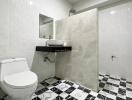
x,y
112,58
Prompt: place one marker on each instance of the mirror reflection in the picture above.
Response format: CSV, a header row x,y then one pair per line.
x,y
45,27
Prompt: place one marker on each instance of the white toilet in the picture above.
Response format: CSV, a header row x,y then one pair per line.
x,y
16,79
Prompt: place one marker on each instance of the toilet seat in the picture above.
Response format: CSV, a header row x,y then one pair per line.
x,y
21,80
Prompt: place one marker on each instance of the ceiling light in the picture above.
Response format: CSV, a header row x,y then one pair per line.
x,y
30,2
112,12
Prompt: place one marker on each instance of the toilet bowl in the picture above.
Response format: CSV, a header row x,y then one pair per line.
x,y
20,83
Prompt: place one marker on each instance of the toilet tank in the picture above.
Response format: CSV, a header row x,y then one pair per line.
x,y
11,66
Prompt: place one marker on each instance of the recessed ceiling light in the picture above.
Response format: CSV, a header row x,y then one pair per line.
x,y
112,12
30,2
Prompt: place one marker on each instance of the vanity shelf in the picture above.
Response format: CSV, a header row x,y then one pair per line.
x,y
53,48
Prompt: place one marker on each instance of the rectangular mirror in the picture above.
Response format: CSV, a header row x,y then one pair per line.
x,y
45,27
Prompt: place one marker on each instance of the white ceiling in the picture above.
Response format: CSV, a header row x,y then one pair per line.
x,y
73,1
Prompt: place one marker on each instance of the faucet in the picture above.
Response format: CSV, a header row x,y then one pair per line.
x,y
49,39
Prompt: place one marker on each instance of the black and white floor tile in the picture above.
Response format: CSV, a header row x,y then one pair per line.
x,y
110,88
114,88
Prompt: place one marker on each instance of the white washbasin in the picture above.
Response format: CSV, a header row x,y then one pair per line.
x,y
54,43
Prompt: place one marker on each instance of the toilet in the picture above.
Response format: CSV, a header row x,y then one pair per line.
x,y
16,79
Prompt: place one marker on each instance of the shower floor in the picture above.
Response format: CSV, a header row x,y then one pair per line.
x,y
110,88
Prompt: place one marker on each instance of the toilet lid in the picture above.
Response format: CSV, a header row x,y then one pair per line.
x,y
21,80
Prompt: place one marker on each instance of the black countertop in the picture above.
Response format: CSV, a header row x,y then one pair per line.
x,y
53,48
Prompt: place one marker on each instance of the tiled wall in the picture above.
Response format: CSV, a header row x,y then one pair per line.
x,y
115,39
81,64
19,30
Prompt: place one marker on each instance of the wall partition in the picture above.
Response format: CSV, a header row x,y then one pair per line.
x,y
81,64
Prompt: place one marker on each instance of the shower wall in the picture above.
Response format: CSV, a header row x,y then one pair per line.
x,y
81,64
115,39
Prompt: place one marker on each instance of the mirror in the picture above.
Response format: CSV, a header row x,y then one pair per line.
x,y
45,27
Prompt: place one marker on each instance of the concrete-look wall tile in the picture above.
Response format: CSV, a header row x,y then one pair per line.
x,y
81,64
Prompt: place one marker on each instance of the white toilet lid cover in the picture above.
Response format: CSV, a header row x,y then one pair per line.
x,y
21,80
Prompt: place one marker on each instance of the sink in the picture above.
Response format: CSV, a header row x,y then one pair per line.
x,y
54,43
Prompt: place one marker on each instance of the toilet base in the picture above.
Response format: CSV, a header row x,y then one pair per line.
x,y
11,98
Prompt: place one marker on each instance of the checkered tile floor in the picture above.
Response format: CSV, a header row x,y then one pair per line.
x,y
110,88
114,88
